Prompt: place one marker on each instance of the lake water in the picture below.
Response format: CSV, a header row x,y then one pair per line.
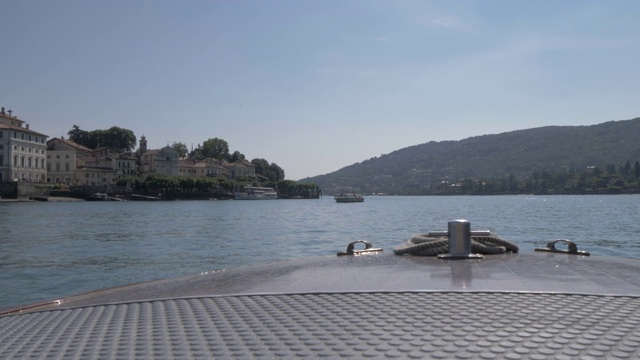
x,y
54,249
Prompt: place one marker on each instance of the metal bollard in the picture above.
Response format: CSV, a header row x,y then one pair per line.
x,y
459,241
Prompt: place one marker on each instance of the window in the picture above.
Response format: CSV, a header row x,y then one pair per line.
x,y
1,160
1,134
57,156
66,156
66,167
29,161
1,147
22,163
58,167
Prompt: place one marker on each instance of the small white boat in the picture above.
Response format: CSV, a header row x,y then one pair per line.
x,y
256,193
348,198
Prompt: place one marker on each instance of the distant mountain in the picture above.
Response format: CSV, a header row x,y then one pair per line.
x,y
415,169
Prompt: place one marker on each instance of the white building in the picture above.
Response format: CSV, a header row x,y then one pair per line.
x,y
206,167
22,151
70,163
241,168
159,161
126,165
62,157
166,161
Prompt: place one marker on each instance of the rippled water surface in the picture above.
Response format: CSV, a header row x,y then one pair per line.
x,y
49,250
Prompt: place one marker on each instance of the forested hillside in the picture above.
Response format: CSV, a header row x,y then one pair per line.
x,y
512,159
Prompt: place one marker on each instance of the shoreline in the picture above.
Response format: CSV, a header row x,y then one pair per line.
x,y
49,199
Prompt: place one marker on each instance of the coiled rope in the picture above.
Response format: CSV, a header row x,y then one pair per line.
x,y
426,245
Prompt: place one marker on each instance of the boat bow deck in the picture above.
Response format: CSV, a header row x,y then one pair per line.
x,y
503,306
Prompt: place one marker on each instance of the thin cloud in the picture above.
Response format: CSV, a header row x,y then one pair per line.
x,y
532,45
445,22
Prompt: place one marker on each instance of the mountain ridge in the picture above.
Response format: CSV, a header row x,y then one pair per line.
x,y
554,148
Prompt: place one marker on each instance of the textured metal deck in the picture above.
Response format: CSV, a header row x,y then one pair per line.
x,y
440,325
511,306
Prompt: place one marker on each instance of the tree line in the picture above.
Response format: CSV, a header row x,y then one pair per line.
x,y
184,187
116,138
612,179
125,140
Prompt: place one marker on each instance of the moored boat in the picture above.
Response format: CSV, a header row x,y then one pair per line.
x,y
256,193
348,198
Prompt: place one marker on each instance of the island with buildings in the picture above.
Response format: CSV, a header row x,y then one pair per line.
x,y
32,166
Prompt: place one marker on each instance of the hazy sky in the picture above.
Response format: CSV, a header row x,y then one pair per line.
x,y
318,85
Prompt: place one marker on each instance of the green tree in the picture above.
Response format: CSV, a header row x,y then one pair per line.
x,y
120,139
215,148
236,156
180,148
161,182
626,169
197,153
77,135
224,183
272,171
278,172
512,183
115,137
262,167
133,181
186,183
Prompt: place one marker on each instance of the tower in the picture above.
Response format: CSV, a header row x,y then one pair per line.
x,y
143,144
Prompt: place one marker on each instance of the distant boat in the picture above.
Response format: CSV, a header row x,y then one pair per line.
x,y
256,193
348,198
